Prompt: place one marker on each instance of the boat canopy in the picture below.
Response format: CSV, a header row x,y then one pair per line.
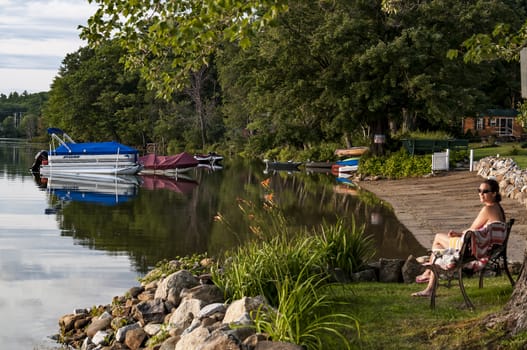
x,y
181,160
55,131
110,147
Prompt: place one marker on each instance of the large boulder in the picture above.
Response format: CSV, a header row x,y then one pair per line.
x,y
170,288
150,311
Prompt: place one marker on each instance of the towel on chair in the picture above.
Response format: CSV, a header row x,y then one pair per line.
x,y
481,243
491,234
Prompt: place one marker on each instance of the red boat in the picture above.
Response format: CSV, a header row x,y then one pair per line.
x,y
181,162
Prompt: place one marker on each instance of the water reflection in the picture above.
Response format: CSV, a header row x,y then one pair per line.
x,y
180,184
154,217
106,190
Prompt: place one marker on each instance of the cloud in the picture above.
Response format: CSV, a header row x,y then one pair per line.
x,y
36,36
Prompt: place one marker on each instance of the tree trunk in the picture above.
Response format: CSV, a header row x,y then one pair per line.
x,y
408,120
196,81
513,317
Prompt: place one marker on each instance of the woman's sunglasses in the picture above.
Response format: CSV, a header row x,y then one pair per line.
x,y
483,191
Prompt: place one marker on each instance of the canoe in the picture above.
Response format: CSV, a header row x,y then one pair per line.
x,y
319,164
351,152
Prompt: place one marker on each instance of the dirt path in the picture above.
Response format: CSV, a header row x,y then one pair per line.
x,y
444,202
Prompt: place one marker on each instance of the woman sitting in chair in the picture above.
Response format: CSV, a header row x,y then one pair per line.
x,y
489,195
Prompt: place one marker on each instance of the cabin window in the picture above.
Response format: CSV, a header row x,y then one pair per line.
x,y
479,124
492,122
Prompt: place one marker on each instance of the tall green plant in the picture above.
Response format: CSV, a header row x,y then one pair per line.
x,y
345,246
302,315
255,268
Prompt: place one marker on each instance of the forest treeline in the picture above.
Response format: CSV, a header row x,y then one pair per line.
x,y
321,75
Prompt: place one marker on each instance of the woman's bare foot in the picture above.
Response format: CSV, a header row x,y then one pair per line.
x,y
423,293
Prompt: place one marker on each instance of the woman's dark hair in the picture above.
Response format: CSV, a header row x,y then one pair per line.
x,y
494,187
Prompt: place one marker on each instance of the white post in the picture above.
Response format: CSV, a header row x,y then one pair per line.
x,y
471,160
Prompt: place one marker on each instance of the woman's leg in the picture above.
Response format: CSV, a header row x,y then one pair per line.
x,y
440,242
428,290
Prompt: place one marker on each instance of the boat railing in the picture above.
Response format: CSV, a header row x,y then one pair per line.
x,y
67,137
61,141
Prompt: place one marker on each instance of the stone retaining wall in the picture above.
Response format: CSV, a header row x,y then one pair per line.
x,y
512,179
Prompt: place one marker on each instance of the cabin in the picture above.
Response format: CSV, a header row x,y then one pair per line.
x,y
500,123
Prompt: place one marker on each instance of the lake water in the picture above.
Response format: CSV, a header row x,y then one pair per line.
x,y
67,244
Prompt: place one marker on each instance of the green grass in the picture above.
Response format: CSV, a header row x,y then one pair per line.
x,y
390,318
509,150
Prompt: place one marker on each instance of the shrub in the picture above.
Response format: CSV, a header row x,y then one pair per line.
x,y
397,165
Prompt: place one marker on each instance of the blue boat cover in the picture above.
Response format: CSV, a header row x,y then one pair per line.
x,y
110,147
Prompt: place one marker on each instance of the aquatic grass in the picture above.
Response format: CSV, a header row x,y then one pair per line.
x,y
302,314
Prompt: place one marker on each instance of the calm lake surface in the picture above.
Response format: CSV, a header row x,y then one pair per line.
x,y
70,243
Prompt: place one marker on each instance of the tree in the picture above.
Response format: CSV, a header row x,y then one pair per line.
x,y
94,99
29,126
8,127
175,38
324,71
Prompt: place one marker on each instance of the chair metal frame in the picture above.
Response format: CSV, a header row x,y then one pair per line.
x,y
497,258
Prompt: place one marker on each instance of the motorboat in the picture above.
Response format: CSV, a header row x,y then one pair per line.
x,y
289,165
209,158
69,157
167,165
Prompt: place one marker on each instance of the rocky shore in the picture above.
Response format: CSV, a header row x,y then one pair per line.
x,y
183,311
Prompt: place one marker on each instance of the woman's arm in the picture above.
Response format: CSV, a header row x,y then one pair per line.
x,y
481,220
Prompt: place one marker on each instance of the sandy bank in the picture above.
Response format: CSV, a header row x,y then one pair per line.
x,y
443,202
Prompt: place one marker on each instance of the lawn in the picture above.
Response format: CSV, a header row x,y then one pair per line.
x,y
389,318
512,150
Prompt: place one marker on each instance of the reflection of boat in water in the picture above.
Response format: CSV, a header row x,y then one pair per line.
x,y
92,188
319,165
70,157
210,167
181,184
345,186
345,189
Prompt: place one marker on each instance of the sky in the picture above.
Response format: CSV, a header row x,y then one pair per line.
x,y
35,36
